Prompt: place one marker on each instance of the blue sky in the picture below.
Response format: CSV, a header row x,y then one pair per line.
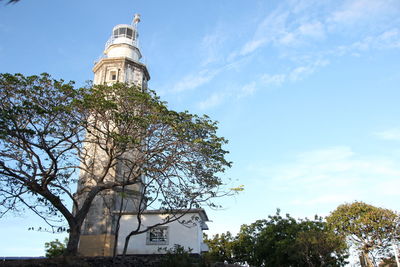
x,y
307,92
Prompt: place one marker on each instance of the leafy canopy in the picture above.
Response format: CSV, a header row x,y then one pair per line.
x,y
281,241
370,229
49,129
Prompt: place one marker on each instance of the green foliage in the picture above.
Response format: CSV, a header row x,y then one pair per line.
x,y
49,130
281,241
177,257
55,248
319,247
220,248
370,229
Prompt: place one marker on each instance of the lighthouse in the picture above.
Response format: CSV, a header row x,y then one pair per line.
x,y
119,63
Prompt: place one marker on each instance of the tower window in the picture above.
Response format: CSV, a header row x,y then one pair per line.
x,y
113,75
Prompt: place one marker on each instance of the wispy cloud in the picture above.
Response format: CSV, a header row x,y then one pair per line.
x,y
214,100
247,90
325,199
358,10
389,39
273,79
252,45
391,134
312,29
331,176
266,80
331,154
193,81
271,28
290,25
211,46
301,72
298,32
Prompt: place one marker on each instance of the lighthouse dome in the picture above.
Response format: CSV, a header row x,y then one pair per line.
x,y
123,43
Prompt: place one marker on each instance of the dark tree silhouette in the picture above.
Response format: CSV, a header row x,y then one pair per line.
x,y
12,1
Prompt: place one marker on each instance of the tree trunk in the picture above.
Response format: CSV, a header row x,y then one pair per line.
x,y
365,261
128,237
73,241
118,224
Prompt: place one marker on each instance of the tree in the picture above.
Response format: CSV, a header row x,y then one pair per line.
x,y
55,248
285,241
47,131
244,247
315,245
370,229
220,248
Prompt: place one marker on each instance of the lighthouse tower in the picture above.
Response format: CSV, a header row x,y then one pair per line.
x,y
120,63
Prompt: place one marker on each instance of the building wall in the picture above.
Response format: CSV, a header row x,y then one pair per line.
x,y
188,236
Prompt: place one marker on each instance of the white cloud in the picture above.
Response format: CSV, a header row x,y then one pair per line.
x,y
289,25
325,199
275,79
301,72
271,28
356,10
247,90
332,176
312,29
211,46
193,81
288,38
214,100
289,28
328,154
265,80
279,28
391,134
252,45
390,187
389,39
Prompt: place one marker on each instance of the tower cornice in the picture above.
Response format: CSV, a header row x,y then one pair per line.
x,y
139,65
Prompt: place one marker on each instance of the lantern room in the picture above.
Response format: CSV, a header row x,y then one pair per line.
x,y
124,41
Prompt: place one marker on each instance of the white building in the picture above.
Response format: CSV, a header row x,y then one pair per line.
x,y
186,232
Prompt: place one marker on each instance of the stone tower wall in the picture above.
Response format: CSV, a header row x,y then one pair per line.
x,y
99,228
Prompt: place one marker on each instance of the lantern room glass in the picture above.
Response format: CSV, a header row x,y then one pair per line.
x,y
123,32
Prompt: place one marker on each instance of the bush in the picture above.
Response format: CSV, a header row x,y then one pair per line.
x,y
55,248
